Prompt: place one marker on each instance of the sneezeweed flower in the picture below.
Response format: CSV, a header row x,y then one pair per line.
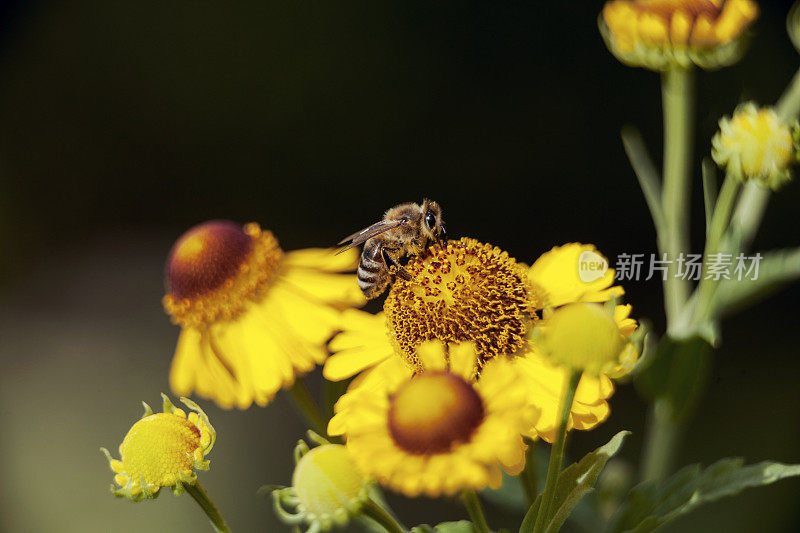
x,y
583,337
371,344
438,431
327,488
253,317
755,144
162,450
466,292
658,34
547,378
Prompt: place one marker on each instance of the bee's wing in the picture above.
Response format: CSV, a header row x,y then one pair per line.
x,y
362,236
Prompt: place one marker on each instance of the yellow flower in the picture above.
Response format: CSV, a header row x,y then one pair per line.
x,y
162,450
658,33
368,343
439,431
253,317
546,381
755,144
582,337
327,488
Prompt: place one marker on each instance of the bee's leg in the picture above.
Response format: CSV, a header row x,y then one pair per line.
x,y
442,236
390,262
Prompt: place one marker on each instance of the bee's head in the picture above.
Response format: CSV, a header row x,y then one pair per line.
x,y
432,223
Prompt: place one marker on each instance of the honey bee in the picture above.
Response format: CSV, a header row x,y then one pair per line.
x,y
406,229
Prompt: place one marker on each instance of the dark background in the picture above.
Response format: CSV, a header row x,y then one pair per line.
x,y
123,123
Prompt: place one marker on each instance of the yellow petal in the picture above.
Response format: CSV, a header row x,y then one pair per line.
x,y
323,259
555,274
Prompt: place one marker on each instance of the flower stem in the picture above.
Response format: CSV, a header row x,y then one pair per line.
x,y
788,107
557,453
473,505
661,440
677,90
379,515
201,497
527,477
307,406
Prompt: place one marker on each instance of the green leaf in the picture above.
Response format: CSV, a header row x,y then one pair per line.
x,y
774,270
675,372
710,189
646,173
462,526
574,482
652,503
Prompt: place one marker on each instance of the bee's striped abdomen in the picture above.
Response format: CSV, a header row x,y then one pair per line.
x,y
371,270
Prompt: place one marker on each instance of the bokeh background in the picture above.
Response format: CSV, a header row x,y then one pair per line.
x,y
124,123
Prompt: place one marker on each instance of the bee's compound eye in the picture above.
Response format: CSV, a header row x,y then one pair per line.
x,y
430,219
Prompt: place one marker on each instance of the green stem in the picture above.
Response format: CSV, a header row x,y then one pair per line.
x,y
661,442
473,505
201,497
557,453
530,484
788,107
308,407
379,515
677,88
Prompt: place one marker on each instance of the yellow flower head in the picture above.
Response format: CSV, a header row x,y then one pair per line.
x,y
583,337
546,377
368,343
466,292
253,317
162,450
755,144
327,488
438,431
658,33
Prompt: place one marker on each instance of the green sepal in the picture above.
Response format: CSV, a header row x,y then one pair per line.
x,y
651,503
204,417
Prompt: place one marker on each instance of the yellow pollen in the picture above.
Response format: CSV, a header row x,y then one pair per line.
x,y
216,269
434,411
467,292
158,449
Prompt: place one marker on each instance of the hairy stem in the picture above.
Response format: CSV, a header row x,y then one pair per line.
x,y
201,497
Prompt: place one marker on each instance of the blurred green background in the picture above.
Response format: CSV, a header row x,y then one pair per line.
x,y
123,123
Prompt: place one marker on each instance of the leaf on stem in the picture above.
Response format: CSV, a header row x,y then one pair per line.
x,y
645,171
774,270
651,504
462,526
710,189
574,482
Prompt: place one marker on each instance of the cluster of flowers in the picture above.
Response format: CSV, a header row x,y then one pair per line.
x,y
470,359
449,378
